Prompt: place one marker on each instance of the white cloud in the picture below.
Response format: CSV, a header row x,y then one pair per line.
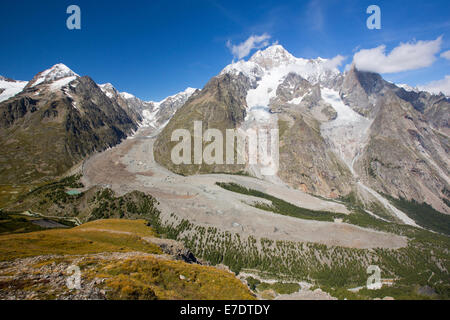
x,y
438,86
446,55
407,56
335,62
244,48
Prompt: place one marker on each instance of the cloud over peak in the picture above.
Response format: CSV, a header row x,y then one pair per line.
x,y
404,57
243,49
438,86
335,62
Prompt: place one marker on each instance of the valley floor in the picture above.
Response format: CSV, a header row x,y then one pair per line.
x,y
131,166
282,243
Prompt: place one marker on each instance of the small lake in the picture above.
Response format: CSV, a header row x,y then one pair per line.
x,y
73,192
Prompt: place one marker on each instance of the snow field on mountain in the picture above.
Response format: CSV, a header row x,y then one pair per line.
x,y
58,84
11,88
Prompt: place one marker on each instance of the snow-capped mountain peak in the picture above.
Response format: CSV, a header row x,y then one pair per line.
x,y
248,68
57,72
154,114
107,86
61,70
108,89
268,68
407,87
276,62
162,111
112,92
127,95
273,56
189,90
180,96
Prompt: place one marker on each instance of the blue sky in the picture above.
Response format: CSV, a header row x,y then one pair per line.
x,y
156,48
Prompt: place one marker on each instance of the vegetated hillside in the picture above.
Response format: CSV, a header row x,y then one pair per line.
x,y
220,105
424,215
423,263
67,199
117,260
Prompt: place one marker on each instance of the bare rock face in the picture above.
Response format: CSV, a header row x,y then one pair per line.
x,y
306,161
361,90
406,152
132,105
293,87
435,108
405,157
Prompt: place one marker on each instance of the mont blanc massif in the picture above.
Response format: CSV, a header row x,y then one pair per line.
x,y
362,183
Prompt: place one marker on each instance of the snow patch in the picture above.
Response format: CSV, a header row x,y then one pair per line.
x,y
259,114
149,118
127,95
108,89
11,88
298,100
407,87
178,96
58,84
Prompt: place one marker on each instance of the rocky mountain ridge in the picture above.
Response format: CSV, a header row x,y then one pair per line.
x,y
340,133
58,118
56,121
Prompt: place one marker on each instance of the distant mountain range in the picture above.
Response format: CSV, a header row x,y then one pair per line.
x,y
51,123
340,133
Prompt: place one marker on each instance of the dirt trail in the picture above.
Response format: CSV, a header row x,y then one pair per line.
x,y
131,166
